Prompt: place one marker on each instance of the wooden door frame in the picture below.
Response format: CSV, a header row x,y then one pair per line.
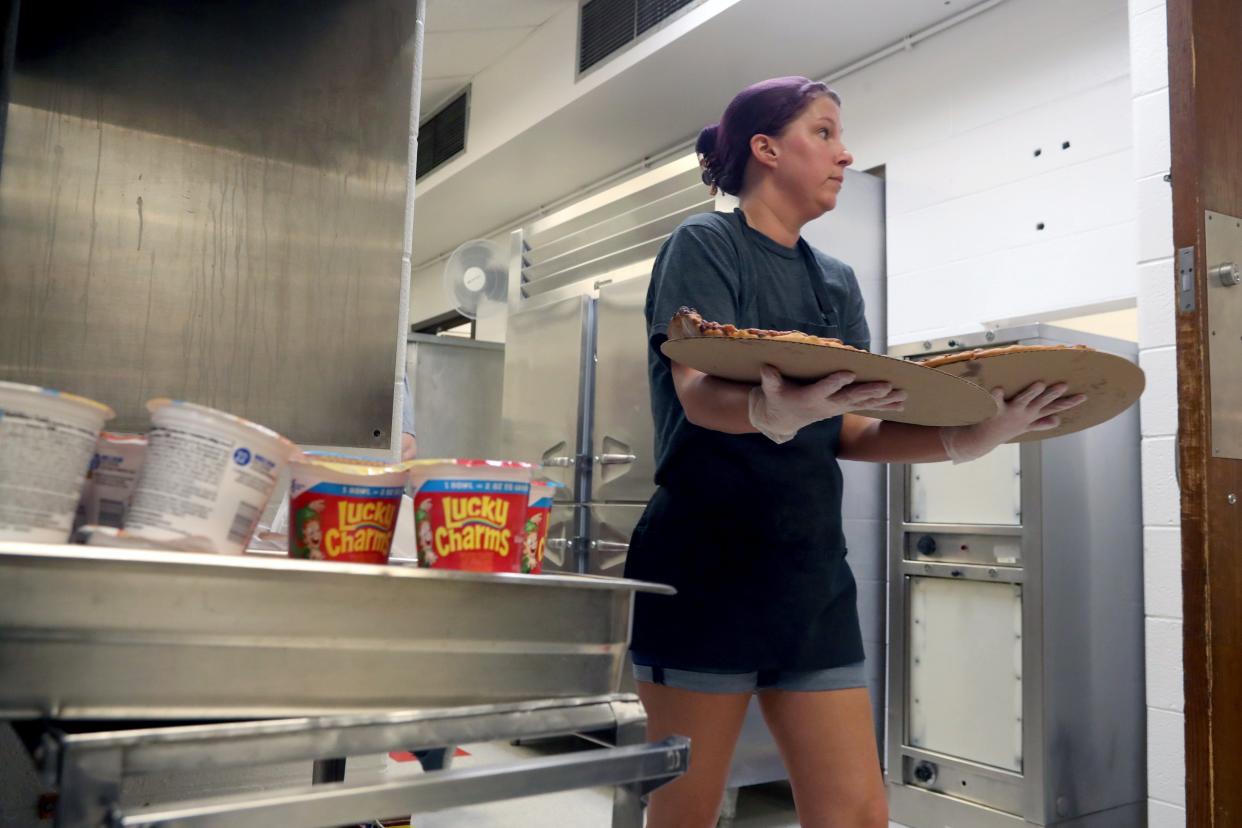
x,y
1205,109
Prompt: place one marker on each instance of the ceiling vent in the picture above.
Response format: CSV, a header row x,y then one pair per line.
x,y
607,26
443,136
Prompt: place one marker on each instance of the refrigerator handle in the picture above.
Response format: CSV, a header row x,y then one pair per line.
x,y
609,546
615,459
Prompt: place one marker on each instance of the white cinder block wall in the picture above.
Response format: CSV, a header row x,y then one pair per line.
x,y
1166,768
1007,146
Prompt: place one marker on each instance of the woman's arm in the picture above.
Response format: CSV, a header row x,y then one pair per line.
x,y
782,408
711,402
1036,408
881,441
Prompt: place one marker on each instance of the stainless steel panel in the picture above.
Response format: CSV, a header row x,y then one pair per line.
x,y
964,780
623,427
107,633
915,807
964,693
95,772
1081,573
983,491
1092,581
543,370
1224,311
984,550
610,226
591,211
610,261
561,551
457,388
854,233
611,524
601,251
334,804
207,202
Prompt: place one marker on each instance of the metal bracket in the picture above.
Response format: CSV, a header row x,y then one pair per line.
x,y
1186,279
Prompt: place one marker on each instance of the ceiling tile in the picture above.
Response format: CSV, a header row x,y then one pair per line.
x,y
491,14
438,90
451,54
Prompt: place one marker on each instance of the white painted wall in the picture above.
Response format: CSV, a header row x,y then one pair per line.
x,y
957,122
1162,547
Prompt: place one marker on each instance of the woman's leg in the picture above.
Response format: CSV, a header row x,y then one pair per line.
x,y
827,740
713,722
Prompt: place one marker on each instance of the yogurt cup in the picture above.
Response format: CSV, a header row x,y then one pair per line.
x,y
110,482
344,509
208,476
46,442
469,514
535,530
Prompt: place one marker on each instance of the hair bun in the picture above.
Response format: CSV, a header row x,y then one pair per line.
x,y
705,147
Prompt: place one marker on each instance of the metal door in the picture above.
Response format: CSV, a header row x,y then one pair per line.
x,y
611,527
560,551
624,439
544,370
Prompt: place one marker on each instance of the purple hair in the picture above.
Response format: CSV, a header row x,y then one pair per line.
x,y
764,108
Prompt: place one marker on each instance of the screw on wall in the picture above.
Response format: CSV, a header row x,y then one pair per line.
x,y
1231,498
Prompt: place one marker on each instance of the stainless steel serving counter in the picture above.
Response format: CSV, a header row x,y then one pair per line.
x,y
367,658
101,633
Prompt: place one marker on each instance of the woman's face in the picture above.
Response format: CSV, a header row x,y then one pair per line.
x,y
811,158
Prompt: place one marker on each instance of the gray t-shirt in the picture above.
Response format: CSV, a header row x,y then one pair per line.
x,y
748,531
733,274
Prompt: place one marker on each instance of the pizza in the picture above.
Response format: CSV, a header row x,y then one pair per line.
x,y
687,323
984,353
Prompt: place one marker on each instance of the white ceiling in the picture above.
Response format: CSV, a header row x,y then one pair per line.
x,y
661,101
464,37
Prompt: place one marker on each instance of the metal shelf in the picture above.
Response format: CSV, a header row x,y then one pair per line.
x,y
88,768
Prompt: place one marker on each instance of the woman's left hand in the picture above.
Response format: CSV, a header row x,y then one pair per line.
x,y
1035,408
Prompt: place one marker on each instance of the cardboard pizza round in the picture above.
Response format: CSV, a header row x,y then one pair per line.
x,y
934,398
1112,383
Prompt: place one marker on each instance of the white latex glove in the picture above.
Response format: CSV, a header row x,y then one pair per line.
x,y
1035,408
779,408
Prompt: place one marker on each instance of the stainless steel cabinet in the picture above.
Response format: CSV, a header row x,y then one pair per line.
x,y
624,440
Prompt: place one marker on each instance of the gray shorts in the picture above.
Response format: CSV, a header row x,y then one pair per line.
x,y
845,677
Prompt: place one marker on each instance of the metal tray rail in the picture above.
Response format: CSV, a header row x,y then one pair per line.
x,y
88,769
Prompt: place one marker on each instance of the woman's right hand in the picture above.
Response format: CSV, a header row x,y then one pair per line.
x,y
1036,408
779,408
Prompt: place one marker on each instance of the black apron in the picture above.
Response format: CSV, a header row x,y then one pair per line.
x,y
749,532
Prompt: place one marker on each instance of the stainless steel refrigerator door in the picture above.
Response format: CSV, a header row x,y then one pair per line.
x,y
456,385
624,437
544,369
611,527
560,553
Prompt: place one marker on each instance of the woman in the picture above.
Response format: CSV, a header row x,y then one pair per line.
x,y
746,520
